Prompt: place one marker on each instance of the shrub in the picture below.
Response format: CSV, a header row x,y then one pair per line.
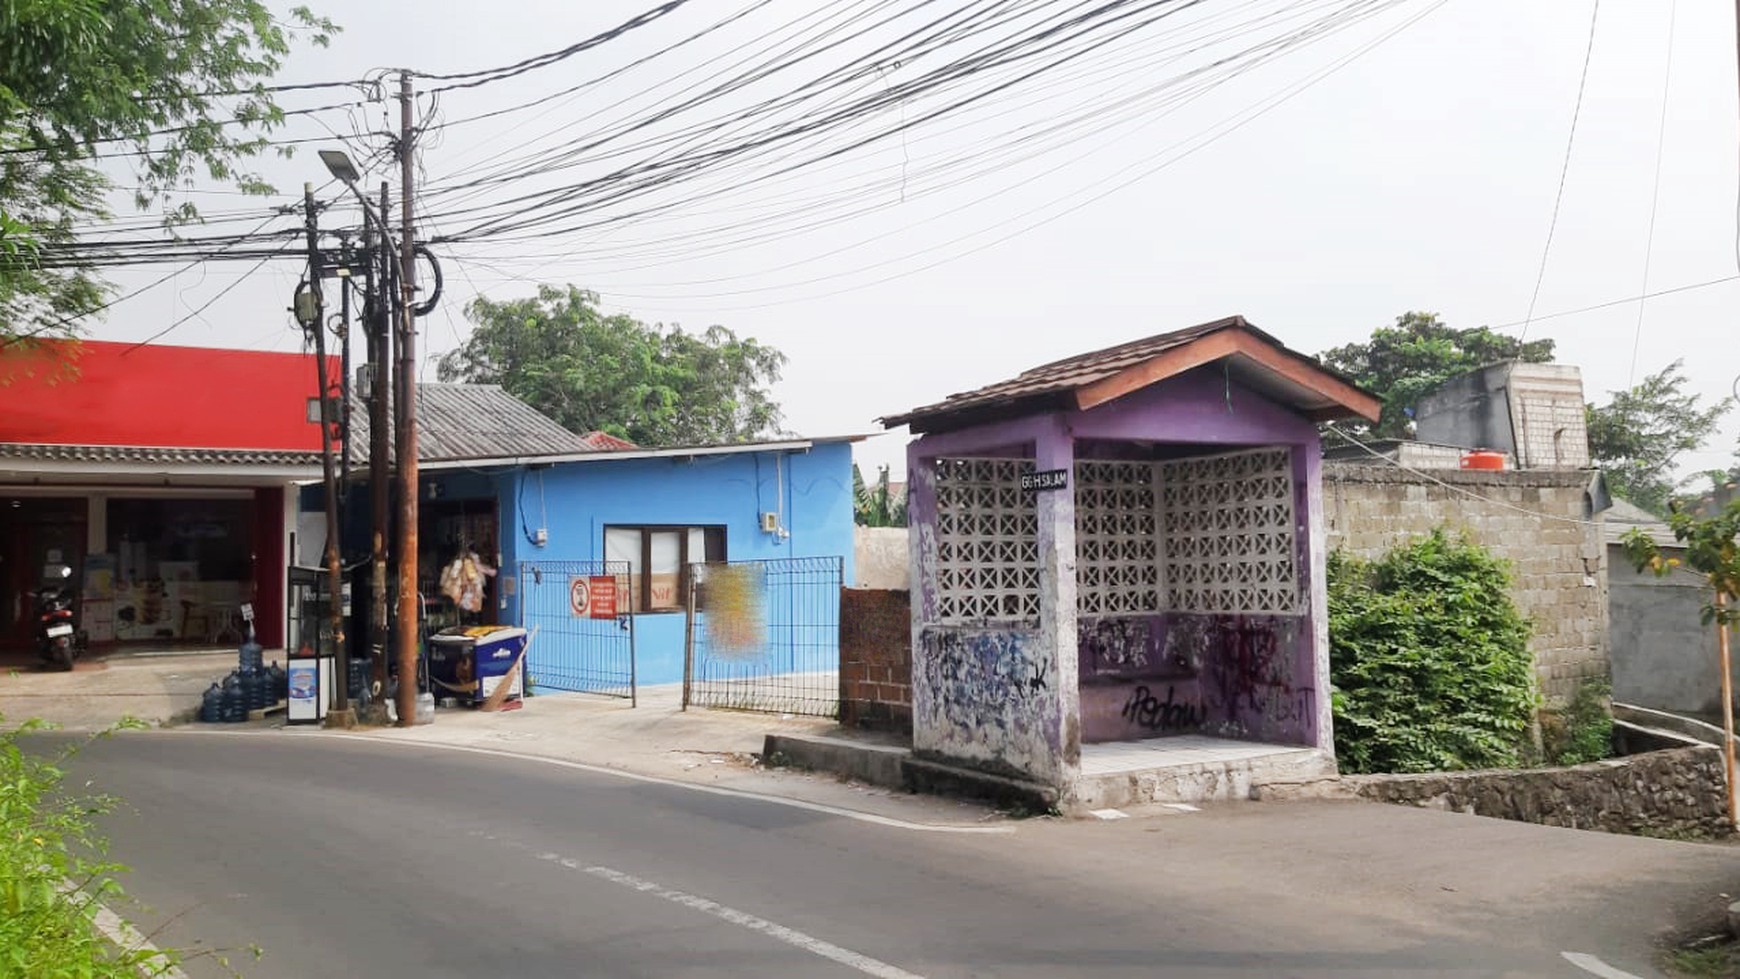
x,y
1583,730
1429,661
47,843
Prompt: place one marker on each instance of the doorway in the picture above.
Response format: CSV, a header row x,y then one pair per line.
x,y
36,534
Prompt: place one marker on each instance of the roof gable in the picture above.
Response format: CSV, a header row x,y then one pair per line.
x,y
1254,358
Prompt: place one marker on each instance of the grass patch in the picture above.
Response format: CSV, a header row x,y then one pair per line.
x,y
55,873
1713,962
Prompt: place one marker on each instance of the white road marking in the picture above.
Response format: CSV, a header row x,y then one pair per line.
x,y
864,817
1181,806
1109,814
791,936
124,936
1590,964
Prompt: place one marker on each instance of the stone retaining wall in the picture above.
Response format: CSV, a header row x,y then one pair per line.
x,y
1666,793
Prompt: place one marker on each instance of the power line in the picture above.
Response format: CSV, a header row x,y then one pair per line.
x,y
488,75
226,290
1564,169
1655,189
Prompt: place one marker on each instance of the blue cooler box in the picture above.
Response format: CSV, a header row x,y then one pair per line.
x,y
470,662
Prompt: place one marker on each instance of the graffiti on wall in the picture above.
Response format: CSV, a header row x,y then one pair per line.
x,y
989,695
1252,684
1146,710
1115,645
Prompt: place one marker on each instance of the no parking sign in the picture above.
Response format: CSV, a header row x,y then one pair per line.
x,y
592,597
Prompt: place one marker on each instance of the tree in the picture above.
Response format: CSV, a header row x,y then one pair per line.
x,y
1638,435
174,85
651,384
876,507
1401,363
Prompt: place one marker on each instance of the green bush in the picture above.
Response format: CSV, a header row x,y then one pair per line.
x,y
47,847
1429,661
1583,730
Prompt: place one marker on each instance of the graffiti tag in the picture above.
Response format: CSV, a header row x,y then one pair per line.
x,y
1155,714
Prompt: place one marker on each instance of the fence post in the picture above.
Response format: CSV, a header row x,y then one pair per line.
x,y
689,637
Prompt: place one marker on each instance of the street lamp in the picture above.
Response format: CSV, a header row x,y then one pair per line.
x,y
339,164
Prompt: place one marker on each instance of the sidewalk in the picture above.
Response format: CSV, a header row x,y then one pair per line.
x,y
155,687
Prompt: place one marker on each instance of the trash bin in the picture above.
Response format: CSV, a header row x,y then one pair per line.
x,y
470,662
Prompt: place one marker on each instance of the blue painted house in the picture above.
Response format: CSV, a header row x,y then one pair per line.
x,y
545,506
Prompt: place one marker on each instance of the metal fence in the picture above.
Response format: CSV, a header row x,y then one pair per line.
x,y
765,636
585,638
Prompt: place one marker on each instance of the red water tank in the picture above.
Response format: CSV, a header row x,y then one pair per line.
x,y
1482,459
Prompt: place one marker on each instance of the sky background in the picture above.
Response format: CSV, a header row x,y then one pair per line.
x,y
1419,175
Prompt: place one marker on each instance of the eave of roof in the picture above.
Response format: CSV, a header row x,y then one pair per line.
x,y
620,455
1095,378
156,455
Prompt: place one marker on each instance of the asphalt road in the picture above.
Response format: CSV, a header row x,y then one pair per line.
x,y
346,857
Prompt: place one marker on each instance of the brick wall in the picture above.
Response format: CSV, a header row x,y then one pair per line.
x,y
1537,520
876,659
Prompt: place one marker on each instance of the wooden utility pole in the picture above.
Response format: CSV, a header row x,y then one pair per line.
x,y
410,612
340,714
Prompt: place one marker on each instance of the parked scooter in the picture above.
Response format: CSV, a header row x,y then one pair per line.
x,y
56,632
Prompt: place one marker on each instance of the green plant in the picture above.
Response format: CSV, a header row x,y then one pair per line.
x,y
55,874
1429,661
1583,730
1715,962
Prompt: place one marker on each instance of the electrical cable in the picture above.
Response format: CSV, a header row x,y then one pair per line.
x,y
1564,170
1655,191
488,75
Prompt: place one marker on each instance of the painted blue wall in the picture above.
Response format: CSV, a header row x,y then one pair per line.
x,y
573,502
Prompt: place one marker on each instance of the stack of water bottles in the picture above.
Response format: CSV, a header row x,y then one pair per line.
x,y
250,686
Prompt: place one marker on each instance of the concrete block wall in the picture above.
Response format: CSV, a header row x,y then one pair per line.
x,y
1535,519
876,659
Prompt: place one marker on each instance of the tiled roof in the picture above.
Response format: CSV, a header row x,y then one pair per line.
x,y
475,421
606,442
1051,384
161,456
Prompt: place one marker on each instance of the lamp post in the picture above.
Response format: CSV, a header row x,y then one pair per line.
x,y
340,165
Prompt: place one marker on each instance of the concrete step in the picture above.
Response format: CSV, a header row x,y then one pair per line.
x,y
894,767
1215,781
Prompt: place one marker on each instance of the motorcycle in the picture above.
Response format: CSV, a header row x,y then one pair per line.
x,y
56,633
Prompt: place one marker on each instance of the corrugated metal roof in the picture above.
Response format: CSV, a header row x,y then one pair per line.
x,y
162,456
475,421
1051,383
1623,517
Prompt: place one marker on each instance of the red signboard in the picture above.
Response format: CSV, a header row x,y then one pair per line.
x,y
592,597
160,396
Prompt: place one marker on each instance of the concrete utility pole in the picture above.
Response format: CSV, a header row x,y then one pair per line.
x,y
340,715
410,611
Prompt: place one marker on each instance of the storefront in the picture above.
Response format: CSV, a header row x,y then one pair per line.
x,y
161,476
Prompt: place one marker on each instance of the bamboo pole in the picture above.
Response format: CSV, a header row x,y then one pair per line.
x,y
1727,708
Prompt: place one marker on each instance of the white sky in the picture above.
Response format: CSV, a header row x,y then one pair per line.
x,y
1420,176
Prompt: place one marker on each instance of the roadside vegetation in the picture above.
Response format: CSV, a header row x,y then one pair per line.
x,y
55,874
1429,660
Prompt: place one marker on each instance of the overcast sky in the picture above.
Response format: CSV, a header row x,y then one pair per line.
x,y
1420,175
